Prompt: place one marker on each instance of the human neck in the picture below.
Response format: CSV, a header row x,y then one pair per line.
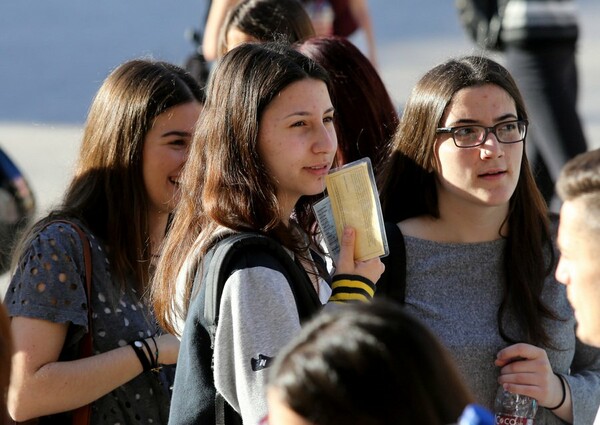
x,y
473,222
488,226
286,207
157,225
460,224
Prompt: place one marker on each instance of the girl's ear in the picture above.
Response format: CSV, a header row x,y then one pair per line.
x,y
433,163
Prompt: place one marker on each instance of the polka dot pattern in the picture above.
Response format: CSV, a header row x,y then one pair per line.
x,y
50,285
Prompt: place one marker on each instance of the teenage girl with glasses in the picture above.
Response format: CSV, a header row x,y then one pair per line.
x,y
479,249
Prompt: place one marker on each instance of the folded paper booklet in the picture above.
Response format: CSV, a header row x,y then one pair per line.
x,y
353,201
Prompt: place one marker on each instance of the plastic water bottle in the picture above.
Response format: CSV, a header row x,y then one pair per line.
x,y
476,415
514,409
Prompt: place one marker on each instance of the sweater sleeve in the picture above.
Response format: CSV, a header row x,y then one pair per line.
x,y
258,316
347,288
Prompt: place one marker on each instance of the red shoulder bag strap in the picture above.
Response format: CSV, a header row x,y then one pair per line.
x,y
83,415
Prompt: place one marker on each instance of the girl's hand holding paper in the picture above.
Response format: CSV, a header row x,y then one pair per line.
x,y
371,269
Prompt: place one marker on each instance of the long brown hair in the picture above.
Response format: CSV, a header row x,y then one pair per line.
x,y
107,191
408,188
224,182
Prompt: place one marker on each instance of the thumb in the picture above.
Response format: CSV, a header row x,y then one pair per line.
x,y
346,259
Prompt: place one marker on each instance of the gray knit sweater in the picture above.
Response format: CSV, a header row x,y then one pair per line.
x,y
456,289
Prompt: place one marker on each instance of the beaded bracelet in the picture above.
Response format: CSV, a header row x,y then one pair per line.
x,y
564,392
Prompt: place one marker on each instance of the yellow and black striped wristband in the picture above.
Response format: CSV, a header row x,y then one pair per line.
x,y
350,287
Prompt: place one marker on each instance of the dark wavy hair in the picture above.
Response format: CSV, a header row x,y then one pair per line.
x,y
107,191
365,116
330,373
268,20
408,188
225,182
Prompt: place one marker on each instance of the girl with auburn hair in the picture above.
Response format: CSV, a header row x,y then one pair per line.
x,y
263,148
125,186
366,118
479,250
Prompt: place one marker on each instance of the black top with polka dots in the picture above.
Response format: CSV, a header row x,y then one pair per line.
x,y
49,284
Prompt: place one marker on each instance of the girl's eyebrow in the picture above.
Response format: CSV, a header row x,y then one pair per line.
x,y
471,121
176,133
306,113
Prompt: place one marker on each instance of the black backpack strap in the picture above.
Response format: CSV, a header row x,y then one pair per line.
x,y
219,270
219,260
392,284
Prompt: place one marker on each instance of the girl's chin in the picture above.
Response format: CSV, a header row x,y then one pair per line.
x,y
315,193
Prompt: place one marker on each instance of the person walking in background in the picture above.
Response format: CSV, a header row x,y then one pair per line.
x,y
538,39
365,116
264,20
365,364
217,13
125,186
478,253
335,17
258,161
344,18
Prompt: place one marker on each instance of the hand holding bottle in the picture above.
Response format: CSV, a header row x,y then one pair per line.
x,y
526,370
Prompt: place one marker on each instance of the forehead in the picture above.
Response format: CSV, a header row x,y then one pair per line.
x,y
573,229
479,99
307,92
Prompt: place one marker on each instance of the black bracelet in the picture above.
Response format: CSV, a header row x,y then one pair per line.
x,y
564,391
156,352
149,354
141,355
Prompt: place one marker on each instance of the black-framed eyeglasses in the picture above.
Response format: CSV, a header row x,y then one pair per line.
x,y
470,136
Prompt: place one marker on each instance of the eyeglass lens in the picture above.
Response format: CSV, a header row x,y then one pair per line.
x,y
508,132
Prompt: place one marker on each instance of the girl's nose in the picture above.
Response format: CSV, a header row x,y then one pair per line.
x,y
491,148
326,140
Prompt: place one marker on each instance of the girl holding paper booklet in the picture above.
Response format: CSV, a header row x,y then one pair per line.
x,y
365,116
260,156
479,249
